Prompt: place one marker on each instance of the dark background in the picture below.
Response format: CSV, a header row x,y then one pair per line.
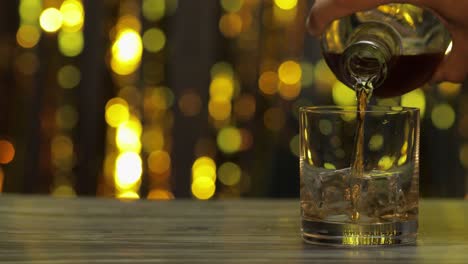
x,y
55,140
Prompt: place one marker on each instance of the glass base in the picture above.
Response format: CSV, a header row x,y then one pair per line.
x,y
349,234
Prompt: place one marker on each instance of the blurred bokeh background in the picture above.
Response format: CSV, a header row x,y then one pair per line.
x,y
163,99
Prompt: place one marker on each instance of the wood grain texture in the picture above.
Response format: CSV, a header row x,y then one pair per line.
x,y
86,230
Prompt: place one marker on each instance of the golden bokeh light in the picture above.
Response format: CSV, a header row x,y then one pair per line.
x,y
268,82
50,19
190,103
343,95
128,22
204,167
388,101
203,188
219,109
128,169
153,10
127,139
154,40
160,194
127,46
286,4
325,127
128,195
221,68
449,89
274,118
290,72
294,145
72,14
117,112
376,142
348,117
158,98
463,155
443,116
232,5
126,52
284,16
71,43
229,173
159,162
66,117
61,149
128,136
415,98
386,162
30,10
68,76
222,87
7,151
289,91
229,139
152,139
230,25
244,107
28,36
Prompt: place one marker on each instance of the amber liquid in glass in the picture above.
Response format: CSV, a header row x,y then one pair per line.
x,y
407,72
363,95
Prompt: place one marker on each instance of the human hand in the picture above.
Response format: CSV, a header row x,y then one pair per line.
x,y
452,13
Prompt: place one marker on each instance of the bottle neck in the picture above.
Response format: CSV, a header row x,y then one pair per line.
x,y
368,56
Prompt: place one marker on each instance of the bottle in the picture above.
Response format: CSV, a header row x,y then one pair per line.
x,y
392,49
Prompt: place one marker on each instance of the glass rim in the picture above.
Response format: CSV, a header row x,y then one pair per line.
x,y
334,109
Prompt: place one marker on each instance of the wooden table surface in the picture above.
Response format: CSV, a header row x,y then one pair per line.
x,y
35,229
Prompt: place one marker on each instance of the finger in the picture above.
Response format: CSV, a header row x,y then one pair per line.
x,y
454,67
325,11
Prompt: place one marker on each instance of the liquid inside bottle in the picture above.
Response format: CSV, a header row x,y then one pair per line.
x,y
407,72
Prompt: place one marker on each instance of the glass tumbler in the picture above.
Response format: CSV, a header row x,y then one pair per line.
x,y
378,206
